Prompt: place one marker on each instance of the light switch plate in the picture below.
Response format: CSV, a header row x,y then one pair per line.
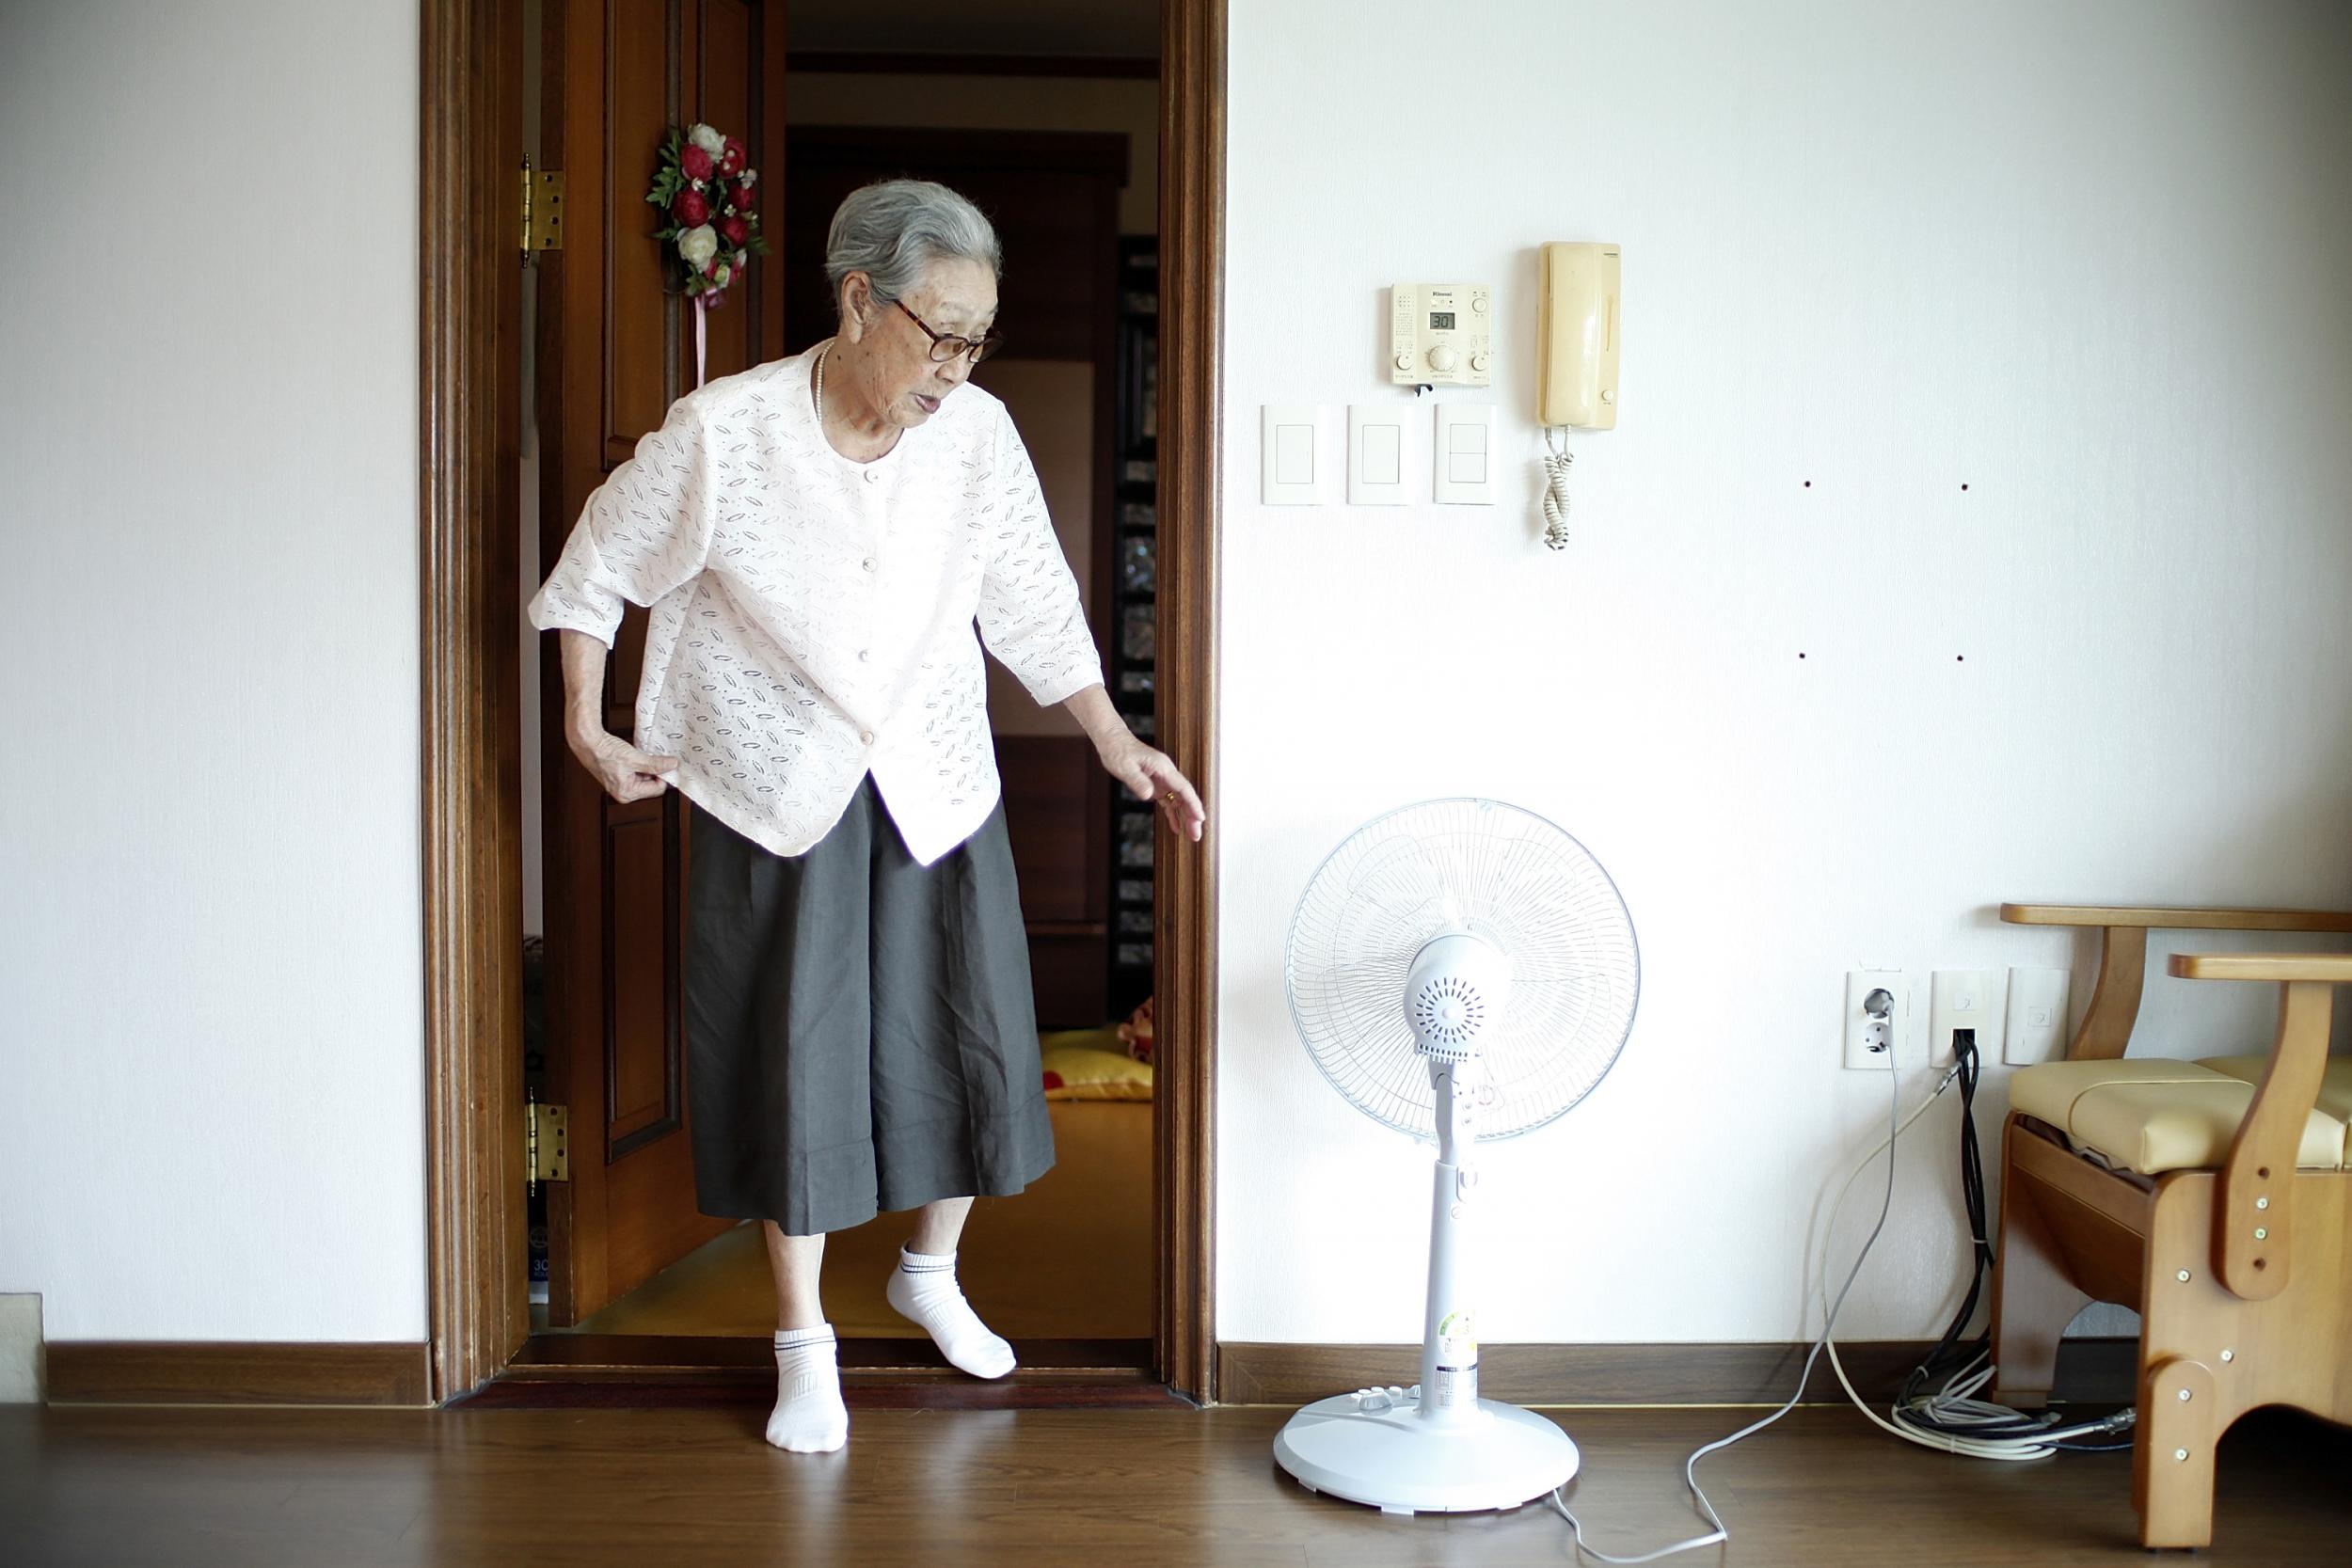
x,y
1463,462
1379,456
2036,1016
1297,470
1963,999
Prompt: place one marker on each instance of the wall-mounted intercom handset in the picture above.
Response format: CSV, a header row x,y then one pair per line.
x,y
1576,367
1576,375
1437,334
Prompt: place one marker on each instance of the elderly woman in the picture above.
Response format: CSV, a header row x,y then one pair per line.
x,y
817,537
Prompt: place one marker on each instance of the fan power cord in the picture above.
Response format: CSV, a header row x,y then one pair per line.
x,y
1718,1534
1558,459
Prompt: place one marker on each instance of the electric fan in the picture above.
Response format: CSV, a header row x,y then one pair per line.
x,y
1459,970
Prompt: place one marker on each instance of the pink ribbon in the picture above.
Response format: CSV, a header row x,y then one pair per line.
x,y
701,307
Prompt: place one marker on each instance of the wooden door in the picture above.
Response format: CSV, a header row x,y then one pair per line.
x,y
614,350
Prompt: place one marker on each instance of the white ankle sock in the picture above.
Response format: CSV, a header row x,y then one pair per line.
x,y
809,1417
922,1289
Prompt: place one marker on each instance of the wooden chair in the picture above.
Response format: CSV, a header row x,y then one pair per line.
x,y
2212,1196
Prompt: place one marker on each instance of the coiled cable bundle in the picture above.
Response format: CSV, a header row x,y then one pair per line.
x,y
1557,460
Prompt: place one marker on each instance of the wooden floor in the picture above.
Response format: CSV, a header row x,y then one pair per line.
x,y
1068,1259
1044,1488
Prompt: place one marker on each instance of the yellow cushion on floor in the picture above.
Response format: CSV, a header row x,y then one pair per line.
x,y
1080,1072
2335,1087
2151,1115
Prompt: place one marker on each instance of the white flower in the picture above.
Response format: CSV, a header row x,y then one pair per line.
x,y
725,273
742,256
707,139
698,245
749,178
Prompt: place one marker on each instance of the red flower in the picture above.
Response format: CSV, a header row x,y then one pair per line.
x,y
734,230
744,198
695,162
690,208
734,158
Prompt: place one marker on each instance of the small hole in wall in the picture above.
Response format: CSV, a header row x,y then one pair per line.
x,y
1959,658
1801,656
1808,484
1964,484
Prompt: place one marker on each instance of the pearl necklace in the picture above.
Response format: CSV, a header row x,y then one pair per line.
x,y
820,387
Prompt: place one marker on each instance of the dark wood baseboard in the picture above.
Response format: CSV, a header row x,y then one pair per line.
x,y
656,1370
2089,1371
173,1371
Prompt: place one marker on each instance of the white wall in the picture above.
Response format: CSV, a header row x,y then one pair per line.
x,y
2088,260
210,1025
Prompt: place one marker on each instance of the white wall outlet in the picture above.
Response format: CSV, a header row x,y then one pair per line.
x,y
1963,999
2036,1016
19,1349
1870,1043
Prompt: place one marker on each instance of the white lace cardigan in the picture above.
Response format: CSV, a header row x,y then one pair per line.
x,y
813,617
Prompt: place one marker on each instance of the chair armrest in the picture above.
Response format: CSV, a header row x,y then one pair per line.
x,y
2107,1027
2177,919
2254,1208
2329,968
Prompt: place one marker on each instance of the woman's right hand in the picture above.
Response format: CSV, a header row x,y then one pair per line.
x,y
625,772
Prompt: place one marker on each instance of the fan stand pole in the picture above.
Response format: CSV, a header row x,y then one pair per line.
x,y
1448,1341
1437,1446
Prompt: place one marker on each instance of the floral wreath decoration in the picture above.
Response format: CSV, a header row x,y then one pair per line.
x,y
711,194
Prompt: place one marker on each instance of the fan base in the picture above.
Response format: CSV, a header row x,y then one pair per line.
x,y
1399,1464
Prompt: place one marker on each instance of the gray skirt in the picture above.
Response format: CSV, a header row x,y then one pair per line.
x,y
861,1034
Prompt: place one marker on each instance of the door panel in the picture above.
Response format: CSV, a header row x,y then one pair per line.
x,y
614,351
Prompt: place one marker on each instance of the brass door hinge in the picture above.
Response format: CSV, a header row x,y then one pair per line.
x,y
545,1156
543,211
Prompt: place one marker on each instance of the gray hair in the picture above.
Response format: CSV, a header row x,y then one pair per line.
x,y
893,229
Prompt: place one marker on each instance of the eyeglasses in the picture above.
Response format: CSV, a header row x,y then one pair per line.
x,y
945,347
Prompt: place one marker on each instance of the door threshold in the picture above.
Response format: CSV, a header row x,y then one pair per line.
x,y
663,1371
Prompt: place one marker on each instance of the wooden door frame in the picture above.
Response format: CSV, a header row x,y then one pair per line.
x,y
470,689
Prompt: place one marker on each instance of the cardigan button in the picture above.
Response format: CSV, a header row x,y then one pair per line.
x,y
865,655
866,737
872,476
867,563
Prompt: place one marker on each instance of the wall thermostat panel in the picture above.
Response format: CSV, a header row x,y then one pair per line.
x,y
1438,334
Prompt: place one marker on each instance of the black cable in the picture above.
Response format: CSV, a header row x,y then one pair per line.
x,y
1950,1355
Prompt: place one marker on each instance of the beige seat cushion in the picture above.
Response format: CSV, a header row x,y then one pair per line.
x,y
2151,1115
2335,1089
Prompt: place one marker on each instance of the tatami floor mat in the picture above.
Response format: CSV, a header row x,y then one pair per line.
x,y
1069,1258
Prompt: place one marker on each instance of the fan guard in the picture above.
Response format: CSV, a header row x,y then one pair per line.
x,y
1499,872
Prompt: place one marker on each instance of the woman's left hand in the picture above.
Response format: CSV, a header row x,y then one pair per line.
x,y
1147,772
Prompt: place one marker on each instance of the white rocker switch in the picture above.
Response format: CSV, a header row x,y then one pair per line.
x,y
1294,470
1465,466
1375,455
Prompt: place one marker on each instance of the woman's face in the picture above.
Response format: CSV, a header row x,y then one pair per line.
x,y
897,377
